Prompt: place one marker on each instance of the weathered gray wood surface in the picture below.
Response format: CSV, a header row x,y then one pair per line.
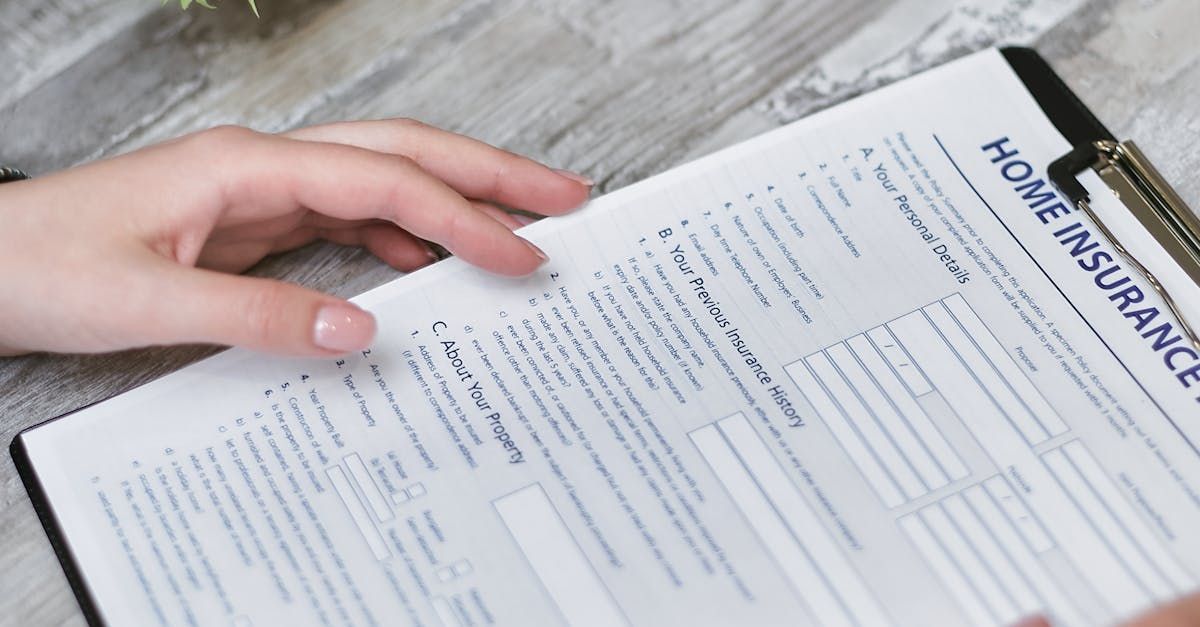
x,y
617,89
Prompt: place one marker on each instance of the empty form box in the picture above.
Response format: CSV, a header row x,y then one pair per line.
x,y
785,523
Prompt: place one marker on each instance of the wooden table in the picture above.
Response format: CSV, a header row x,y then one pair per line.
x,y
618,89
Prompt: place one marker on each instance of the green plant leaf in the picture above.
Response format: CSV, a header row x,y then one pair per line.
x,y
184,4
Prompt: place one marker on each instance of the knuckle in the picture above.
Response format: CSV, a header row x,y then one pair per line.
x,y
408,137
500,174
222,138
404,168
218,145
408,123
405,162
261,314
453,229
225,150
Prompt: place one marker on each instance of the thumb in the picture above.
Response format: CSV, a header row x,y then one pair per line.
x,y
1182,612
261,314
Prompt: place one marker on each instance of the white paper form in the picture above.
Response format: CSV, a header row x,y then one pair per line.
x,y
856,371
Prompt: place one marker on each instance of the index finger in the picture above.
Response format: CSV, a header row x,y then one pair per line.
x,y
474,168
260,176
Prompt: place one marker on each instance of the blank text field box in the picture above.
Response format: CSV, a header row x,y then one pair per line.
x,y
366,485
970,402
901,362
1004,363
1026,523
985,375
873,435
358,513
781,491
946,570
1054,602
994,557
445,612
994,597
889,382
1093,552
844,433
1123,511
556,558
911,446
1114,519
775,536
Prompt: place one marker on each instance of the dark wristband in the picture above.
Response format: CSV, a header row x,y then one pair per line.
x,y
8,175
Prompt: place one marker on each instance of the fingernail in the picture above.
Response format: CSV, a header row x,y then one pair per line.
x,y
343,328
524,219
578,178
537,251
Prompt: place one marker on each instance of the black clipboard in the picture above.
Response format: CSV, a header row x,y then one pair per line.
x,y
1153,202
1123,168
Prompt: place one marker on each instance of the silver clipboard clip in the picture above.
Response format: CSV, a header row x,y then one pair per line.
x,y
1134,180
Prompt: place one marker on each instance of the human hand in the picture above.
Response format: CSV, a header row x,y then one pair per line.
x,y
137,250
1183,612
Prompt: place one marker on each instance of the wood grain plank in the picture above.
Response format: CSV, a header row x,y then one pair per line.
x,y
1103,50
913,35
1137,66
530,85
125,85
40,39
271,85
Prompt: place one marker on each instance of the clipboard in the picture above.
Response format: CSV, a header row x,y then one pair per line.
x,y
1122,167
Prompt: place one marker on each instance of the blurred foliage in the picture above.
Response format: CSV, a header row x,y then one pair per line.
x,y
184,4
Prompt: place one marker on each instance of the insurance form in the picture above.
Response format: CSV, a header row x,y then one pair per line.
x,y
866,369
